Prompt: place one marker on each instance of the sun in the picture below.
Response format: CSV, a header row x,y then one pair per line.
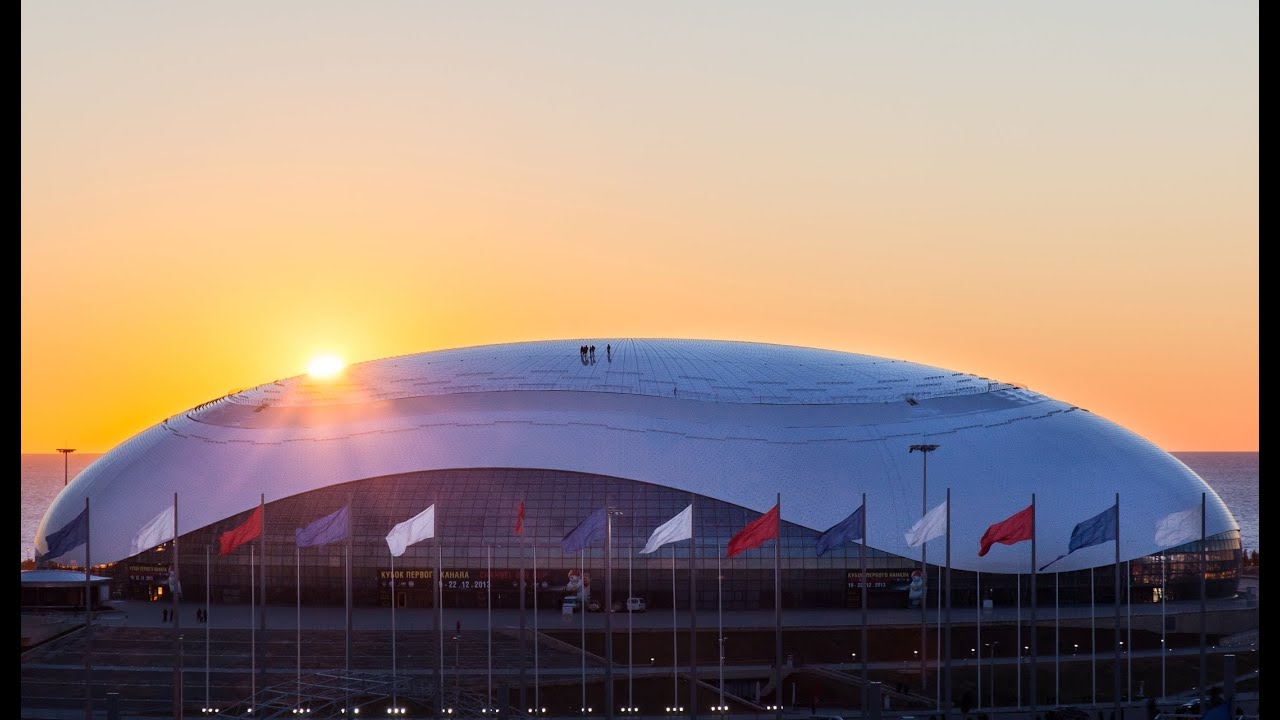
x,y
325,366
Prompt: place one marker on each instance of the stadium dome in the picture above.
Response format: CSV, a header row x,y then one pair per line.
x,y
735,423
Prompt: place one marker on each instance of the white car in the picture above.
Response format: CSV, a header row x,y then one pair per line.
x,y
635,605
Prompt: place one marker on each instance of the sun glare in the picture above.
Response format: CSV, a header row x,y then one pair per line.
x,y
325,366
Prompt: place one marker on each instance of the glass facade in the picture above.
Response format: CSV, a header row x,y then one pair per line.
x,y
476,515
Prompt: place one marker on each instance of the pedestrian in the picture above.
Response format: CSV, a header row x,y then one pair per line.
x,y
608,351
593,354
164,614
1152,710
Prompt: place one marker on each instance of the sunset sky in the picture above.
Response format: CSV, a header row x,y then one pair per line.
x,y
1063,195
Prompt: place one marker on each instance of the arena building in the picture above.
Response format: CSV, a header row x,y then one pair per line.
x,y
644,426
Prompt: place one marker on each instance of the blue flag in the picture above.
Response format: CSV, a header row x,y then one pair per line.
x,y
588,532
71,536
844,532
330,528
1218,712
1096,530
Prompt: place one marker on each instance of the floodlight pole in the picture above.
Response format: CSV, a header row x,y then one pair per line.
x,y
65,452
924,569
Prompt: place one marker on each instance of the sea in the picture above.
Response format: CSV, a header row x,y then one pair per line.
x,y
1234,475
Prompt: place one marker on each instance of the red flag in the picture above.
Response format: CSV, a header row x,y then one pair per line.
x,y
520,519
756,532
248,530
1013,529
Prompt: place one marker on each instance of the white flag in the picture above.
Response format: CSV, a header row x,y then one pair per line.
x,y
679,527
1178,528
419,527
155,532
932,525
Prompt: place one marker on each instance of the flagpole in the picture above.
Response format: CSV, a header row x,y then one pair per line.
x,y
488,600
947,647
439,615
1057,691
347,574
175,582
88,619
1019,640
394,683
693,610
607,606
537,689
631,552
1115,635
262,582
1203,568
524,635
206,625
720,622
862,569
297,583
1035,651
253,631
583,599
675,681
777,610
1093,641
438,601
979,614
937,648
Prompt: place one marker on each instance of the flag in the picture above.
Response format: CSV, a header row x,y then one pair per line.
x,y
932,525
155,532
416,529
1096,530
71,536
248,530
755,533
1178,528
520,519
679,527
1013,529
1217,712
588,532
330,528
844,532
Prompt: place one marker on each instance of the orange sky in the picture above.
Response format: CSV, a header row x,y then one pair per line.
x,y
1060,196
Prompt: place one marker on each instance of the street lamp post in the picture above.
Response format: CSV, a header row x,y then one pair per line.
x,y
65,452
609,707
924,569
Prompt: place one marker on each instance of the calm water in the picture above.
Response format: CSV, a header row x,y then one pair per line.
x,y
1233,475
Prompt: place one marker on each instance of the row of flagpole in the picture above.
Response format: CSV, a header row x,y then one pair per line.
x,y
1173,530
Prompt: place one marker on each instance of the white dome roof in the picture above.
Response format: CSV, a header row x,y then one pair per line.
x,y
737,422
